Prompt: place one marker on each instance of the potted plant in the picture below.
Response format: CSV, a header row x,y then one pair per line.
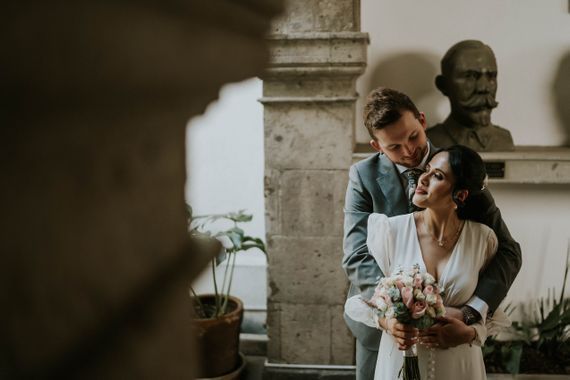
x,y
540,343
219,315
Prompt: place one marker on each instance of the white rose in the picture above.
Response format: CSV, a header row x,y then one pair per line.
x,y
431,298
381,305
419,295
407,280
428,279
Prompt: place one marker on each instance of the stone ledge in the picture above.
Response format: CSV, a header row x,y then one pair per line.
x,y
532,165
308,99
330,70
320,36
253,344
317,49
308,372
525,165
537,376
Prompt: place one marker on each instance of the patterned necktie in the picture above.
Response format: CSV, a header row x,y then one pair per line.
x,y
412,175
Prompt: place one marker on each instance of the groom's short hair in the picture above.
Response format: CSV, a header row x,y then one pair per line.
x,y
385,106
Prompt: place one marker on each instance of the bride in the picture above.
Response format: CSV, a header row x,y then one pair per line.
x,y
450,248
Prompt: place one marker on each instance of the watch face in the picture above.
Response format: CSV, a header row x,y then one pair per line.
x,y
468,315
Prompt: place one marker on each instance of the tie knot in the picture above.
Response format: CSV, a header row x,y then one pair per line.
x,y
412,175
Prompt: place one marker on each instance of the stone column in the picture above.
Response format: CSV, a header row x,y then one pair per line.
x,y
317,52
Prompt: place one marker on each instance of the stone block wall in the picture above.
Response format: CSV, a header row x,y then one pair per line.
x,y
317,52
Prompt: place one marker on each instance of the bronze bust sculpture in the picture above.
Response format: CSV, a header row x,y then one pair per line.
x,y
469,79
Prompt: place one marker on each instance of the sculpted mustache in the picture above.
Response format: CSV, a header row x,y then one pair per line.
x,y
480,101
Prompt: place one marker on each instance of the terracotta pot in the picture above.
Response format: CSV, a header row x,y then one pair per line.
x,y
235,374
218,339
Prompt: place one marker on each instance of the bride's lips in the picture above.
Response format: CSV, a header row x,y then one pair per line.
x,y
420,190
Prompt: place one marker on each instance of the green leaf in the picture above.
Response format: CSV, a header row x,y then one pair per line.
x,y
221,257
256,242
240,216
552,320
512,357
246,246
235,234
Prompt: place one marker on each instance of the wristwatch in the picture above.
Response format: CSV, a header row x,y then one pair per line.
x,y
470,315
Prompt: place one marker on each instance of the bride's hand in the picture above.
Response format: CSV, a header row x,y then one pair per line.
x,y
448,332
405,335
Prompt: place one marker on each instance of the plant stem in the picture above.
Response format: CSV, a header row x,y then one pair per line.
x,y
201,311
224,283
215,288
233,258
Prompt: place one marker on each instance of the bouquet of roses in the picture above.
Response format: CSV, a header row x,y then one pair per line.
x,y
413,298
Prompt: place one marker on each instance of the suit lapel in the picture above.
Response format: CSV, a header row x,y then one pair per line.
x,y
389,183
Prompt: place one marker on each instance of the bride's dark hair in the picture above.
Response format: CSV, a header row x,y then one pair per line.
x,y
468,169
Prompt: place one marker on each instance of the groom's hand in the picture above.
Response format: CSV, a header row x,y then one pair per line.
x,y
453,312
448,332
405,335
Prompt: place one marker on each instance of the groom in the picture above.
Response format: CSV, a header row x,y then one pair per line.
x,y
382,183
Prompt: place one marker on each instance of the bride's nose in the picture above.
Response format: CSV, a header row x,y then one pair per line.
x,y
424,178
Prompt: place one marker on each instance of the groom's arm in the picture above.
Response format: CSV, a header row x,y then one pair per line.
x,y
495,281
360,267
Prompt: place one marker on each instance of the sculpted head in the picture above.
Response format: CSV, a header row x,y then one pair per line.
x,y
469,79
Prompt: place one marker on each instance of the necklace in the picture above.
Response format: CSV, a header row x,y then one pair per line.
x,y
442,242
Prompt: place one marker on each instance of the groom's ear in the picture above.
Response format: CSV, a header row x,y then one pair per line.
x,y
374,144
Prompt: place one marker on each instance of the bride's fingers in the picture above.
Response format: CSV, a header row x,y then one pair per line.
x,y
406,335
403,345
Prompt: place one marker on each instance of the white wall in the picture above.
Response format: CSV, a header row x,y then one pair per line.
x,y
225,173
539,219
531,40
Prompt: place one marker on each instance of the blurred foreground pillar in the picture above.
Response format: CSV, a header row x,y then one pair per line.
x,y
95,258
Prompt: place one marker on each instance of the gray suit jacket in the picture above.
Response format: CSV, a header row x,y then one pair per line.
x,y
374,186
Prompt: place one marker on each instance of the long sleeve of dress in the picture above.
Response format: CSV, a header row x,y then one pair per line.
x,y
378,242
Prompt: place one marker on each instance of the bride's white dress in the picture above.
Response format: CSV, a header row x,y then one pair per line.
x,y
394,243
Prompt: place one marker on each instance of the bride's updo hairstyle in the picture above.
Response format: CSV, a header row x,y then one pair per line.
x,y
469,172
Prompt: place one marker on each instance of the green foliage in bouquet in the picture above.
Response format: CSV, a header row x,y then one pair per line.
x,y
542,339
403,315
234,240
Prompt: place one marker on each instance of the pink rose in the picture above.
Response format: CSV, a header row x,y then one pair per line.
x,y
399,284
387,299
419,309
407,296
428,290
418,281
